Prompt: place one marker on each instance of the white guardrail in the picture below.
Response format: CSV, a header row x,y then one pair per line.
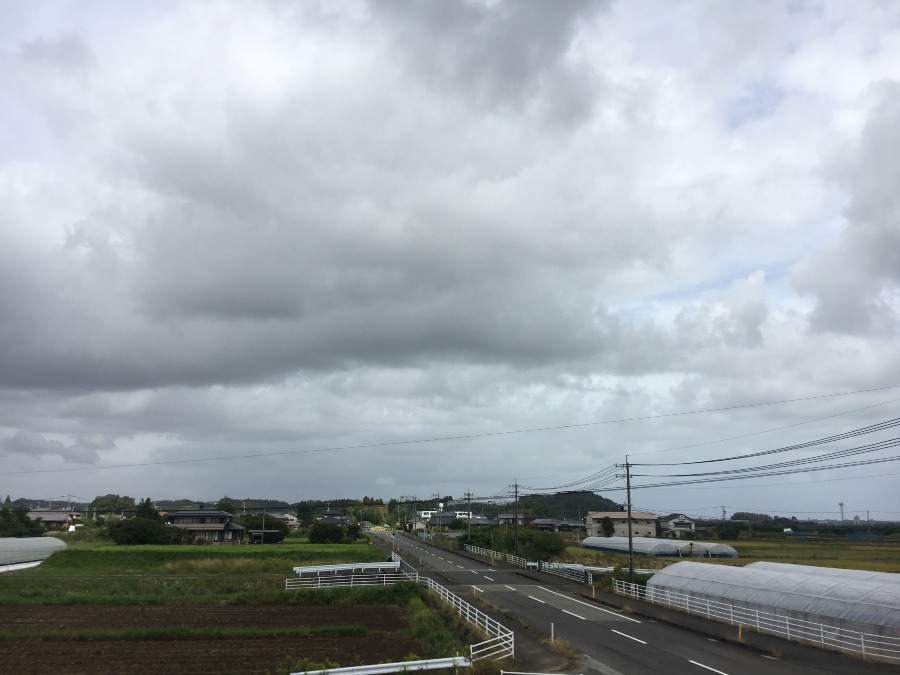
x,y
866,644
500,645
576,572
399,667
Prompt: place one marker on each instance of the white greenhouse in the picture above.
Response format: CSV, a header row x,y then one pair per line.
x,y
17,550
820,596
651,546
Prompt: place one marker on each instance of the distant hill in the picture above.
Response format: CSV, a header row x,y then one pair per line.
x,y
566,505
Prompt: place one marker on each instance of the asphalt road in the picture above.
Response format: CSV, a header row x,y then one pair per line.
x,y
607,641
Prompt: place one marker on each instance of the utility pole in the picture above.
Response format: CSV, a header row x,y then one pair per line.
x,y
630,533
627,478
723,513
516,484
469,519
841,504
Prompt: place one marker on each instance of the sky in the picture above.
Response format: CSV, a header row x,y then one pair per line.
x,y
404,249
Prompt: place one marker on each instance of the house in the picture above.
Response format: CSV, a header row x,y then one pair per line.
x,y
675,525
510,518
293,522
642,524
213,525
553,525
334,517
54,518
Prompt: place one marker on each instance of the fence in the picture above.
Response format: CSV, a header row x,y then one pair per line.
x,y
497,555
400,667
501,645
335,580
823,635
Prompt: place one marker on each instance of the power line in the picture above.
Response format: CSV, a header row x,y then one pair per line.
x,y
489,434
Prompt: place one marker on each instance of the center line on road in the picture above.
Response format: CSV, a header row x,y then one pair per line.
x,y
574,614
510,587
487,577
587,604
632,638
708,668
537,599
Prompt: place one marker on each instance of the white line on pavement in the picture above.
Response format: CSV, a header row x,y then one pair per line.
x,y
509,587
587,604
487,577
538,599
628,636
708,668
574,614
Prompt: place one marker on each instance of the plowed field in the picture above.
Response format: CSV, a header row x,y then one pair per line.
x,y
23,655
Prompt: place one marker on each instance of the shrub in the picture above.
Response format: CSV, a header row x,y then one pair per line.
x,y
145,531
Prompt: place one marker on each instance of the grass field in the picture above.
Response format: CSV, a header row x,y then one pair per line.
x,y
170,609
879,556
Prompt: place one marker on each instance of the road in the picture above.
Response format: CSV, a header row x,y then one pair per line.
x,y
607,642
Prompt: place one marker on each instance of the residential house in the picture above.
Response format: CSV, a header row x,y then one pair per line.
x,y
642,524
54,518
675,526
292,521
212,525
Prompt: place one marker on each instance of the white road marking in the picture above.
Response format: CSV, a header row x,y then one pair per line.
x,y
487,577
587,604
477,589
574,614
630,637
537,599
708,668
510,587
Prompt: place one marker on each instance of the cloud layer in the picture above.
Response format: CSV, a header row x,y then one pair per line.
x,y
232,230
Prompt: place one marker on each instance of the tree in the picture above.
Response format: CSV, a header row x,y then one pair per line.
x,y
146,531
112,504
727,530
607,526
145,509
275,530
227,504
326,533
14,522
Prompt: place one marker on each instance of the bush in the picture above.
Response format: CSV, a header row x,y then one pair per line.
x,y
135,531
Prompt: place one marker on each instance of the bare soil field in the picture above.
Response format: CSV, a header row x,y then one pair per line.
x,y
71,655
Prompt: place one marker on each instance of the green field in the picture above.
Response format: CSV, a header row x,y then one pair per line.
x,y
878,556
94,573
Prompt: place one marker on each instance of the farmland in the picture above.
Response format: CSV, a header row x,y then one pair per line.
x,y
145,609
879,556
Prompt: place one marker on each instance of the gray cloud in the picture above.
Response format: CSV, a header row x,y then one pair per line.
x,y
251,230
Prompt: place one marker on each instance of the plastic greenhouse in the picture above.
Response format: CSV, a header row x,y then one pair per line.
x,y
14,550
838,601
661,547
865,575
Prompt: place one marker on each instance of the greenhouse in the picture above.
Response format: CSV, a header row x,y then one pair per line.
x,y
661,547
16,550
865,575
841,602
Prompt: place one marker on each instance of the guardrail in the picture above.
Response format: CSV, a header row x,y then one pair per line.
x,y
335,580
497,555
502,642
344,568
819,634
500,645
401,667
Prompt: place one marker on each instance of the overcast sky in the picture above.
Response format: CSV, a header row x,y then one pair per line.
x,y
263,233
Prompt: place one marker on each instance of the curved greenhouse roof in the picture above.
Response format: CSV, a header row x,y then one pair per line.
x,y
642,545
865,575
836,600
15,550
661,547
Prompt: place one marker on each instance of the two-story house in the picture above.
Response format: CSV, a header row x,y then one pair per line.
x,y
642,524
212,525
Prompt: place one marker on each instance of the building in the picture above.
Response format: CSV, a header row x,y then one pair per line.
x,y
675,526
54,518
642,524
212,525
291,521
